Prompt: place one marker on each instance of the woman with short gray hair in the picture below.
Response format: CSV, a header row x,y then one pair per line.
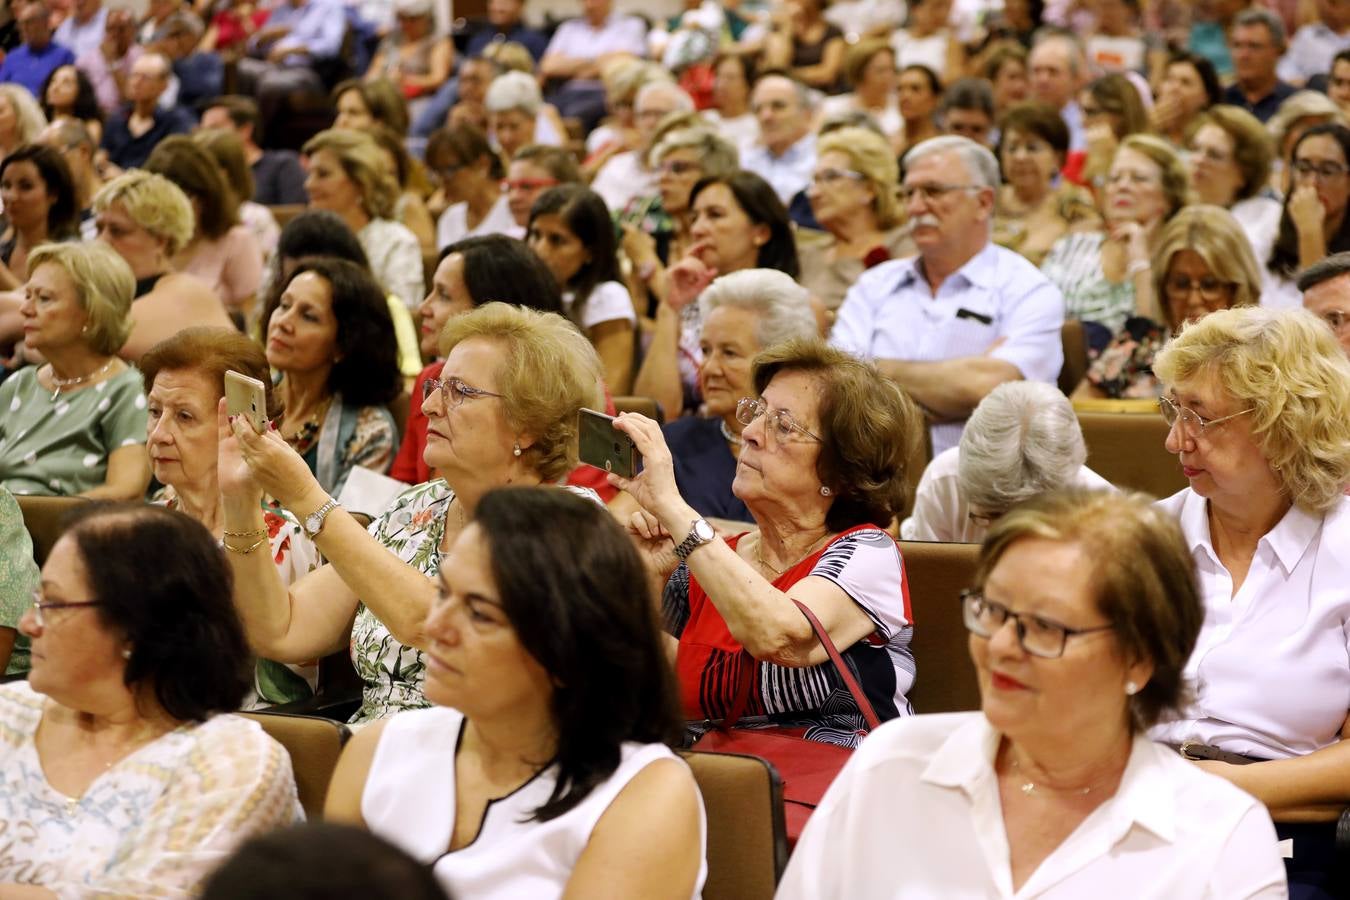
x,y
1022,440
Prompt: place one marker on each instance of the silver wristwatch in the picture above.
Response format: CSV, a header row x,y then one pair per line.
x,y
314,521
700,533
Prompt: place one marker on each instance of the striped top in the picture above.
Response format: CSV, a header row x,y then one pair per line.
x,y
1074,264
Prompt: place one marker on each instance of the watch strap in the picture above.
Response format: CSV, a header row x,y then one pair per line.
x,y
692,541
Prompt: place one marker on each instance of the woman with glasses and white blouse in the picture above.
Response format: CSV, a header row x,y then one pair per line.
x,y
822,471
1053,789
1314,223
502,411
1259,406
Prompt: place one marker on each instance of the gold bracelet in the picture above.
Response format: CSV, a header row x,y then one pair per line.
x,y
245,552
259,532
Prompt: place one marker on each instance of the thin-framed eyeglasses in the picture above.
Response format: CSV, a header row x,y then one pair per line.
x,y
827,178
41,606
1036,635
1210,288
1336,318
931,192
1193,423
453,391
749,409
526,184
1327,171
678,167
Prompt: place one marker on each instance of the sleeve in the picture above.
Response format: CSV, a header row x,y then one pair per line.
x,y
854,324
634,37
675,601
243,267
1031,331
324,31
866,565
122,421
609,302
561,42
235,784
18,572
1249,863
292,551
401,268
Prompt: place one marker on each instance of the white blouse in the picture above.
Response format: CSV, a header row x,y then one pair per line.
x,y
1272,664
916,813
409,799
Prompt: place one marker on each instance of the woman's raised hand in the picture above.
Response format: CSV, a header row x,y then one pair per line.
x,y
1306,210
689,277
233,475
270,462
654,488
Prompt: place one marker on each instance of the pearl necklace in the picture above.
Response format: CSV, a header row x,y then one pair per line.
x,y
732,438
62,383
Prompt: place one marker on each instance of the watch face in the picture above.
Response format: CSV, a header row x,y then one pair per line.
x,y
704,531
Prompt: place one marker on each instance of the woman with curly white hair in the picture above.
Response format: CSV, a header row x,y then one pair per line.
x,y
1022,440
1258,401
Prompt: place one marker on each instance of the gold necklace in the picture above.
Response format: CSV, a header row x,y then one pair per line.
x,y
1029,787
759,554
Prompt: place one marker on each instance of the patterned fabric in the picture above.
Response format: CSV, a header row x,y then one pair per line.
x,y
412,529
1073,205
154,824
364,436
18,578
294,555
61,447
710,664
1125,368
1074,264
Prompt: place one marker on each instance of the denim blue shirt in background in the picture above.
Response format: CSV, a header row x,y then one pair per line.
x,y
786,174
318,25
891,313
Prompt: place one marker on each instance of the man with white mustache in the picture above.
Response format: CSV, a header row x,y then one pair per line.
x,y
965,315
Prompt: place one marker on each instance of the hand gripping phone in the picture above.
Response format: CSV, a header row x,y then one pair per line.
x,y
601,445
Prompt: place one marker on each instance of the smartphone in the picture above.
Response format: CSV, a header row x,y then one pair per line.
x,y
601,445
247,397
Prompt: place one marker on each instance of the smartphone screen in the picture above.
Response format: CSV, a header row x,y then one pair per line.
x,y
602,446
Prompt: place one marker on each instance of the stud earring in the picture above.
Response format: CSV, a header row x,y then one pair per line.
x,y
1131,688
126,653
824,491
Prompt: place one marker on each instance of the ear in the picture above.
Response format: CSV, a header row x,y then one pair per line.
x,y
760,235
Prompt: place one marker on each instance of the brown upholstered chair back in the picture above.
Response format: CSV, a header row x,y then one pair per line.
x,y
936,574
747,837
314,745
43,518
1127,450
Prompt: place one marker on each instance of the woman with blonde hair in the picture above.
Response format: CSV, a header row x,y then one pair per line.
x,y
503,411
1203,263
22,122
349,175
76,424
853,197
1258,401
869,68
148,219
1231,157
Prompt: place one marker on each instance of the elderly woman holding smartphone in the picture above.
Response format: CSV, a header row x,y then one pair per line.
x,y
503,411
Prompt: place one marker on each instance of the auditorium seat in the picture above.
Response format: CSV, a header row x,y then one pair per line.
x,y
314,746
936,574
747,837
283,213
1127,450
44,518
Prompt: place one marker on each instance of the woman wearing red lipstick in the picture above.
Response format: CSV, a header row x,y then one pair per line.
x,y
1259,406
1083,613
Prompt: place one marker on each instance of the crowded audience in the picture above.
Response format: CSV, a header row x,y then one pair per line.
x,y
849,275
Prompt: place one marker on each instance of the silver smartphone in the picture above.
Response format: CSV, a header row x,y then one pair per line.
x,y
601,445
247,397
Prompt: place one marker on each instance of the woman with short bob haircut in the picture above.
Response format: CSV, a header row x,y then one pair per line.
x,y
38,194
530,630
1230,161
1056,768
118,759
148,219
512,385
1258,403
349,175
222,252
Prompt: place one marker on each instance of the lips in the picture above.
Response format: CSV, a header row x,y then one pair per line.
x,y
1005,682
1190,471
278,343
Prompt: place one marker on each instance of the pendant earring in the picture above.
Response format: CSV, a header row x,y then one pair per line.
x,y
824,491
515,449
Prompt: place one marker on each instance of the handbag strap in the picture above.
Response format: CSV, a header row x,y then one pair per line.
x,y
855,689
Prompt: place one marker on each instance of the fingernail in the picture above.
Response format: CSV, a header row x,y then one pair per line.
x,y
272,426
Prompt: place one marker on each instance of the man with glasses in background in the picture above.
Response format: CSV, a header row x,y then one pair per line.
x,y
1326,293
965,315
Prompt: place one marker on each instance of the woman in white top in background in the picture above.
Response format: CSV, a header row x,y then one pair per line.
x,y
1082,616
1259,404
532,776
572,232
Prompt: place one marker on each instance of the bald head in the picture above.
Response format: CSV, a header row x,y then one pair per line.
x,y
1056,64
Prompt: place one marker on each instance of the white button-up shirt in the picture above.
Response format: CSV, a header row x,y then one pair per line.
x,y
787,173
916,813
1272,665
891,313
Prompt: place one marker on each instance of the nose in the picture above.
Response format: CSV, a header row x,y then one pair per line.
x,y
433,404
1004,640
1177,439
440,623
28,624
753,434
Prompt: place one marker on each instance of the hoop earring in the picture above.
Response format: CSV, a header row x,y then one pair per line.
x,y
824,491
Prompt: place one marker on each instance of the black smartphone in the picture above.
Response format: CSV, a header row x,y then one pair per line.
x,y
601,445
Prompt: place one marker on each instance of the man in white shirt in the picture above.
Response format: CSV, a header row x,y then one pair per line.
x,y
1326,293
578,53
626,175
1058,67
785,153
82,31
1314,45
965,315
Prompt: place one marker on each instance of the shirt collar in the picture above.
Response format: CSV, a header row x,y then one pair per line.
x,y
1288,540
804,145
981,270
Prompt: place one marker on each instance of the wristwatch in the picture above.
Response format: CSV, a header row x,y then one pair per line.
x,y
313,523
700,533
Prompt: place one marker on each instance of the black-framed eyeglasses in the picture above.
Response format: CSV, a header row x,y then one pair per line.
x,y
41,607
1192,422
1326,171
454,391
1036,635
749,409
1209,288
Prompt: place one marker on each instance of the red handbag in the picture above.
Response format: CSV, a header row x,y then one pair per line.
x,y
807,768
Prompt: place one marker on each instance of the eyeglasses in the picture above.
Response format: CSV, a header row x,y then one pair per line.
x,y
454,391
1326,171
1209,288
1191,421
680,167
1036,635
931,193
1138,179
527,184
826,178
41,607
1336,318
984,520
749,409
